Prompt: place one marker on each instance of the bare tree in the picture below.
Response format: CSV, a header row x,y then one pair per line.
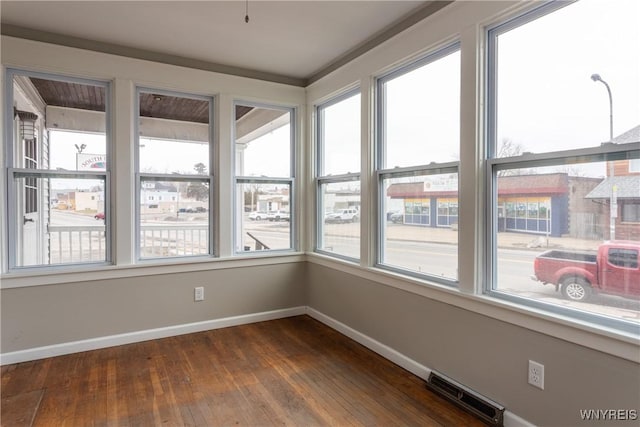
x,y
508,148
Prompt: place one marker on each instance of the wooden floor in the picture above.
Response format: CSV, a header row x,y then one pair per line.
x,y
293,371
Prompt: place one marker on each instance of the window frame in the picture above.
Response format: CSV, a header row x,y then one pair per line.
x,y
160,177
605,152
322,179
12,173
383,171
245,179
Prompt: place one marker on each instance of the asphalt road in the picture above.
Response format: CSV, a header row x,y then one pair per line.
x,y
515,266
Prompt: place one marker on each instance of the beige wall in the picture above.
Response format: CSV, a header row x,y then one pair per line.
x,y
485,354
56,314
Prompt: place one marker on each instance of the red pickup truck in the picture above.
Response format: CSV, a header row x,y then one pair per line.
x,y
613,269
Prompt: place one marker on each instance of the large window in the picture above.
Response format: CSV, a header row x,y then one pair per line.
x,y
58,170
418,109
174,185
338,172
561,185
264,171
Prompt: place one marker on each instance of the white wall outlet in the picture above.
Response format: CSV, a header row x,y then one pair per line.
x,y
198,293
536,374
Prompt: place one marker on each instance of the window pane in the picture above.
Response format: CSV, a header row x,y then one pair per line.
x,y
174,134
421,224
174,218
340,229
547,99
60,221
73,136
575,221
422,114
263,221
263,142
340,136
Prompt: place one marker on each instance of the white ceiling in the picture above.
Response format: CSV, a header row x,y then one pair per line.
x,y
288,38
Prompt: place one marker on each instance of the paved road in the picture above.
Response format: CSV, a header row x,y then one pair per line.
x,y
59,217
515,266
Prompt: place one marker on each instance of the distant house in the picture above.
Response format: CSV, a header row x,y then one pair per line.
x,y
620,193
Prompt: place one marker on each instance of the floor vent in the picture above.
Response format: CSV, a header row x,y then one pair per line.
x,y
487,410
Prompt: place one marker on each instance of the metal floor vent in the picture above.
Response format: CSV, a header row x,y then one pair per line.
x,y
487,410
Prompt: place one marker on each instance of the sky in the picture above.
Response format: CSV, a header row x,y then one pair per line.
x,y
546,100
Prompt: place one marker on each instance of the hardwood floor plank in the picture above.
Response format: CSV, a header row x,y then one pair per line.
x,y
291,372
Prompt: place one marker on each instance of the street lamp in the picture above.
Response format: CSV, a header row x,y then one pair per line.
x,y
597,78
613,203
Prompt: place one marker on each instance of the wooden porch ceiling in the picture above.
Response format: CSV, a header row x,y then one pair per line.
x,y
89,97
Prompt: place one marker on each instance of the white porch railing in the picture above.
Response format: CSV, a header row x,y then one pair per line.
x,y
87,243
161,240
72,243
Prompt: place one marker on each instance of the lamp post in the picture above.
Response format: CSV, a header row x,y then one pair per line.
x,y
613,203
597,78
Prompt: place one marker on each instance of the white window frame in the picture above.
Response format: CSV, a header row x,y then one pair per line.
x,y
14,172
288,181
493,165
322,179
383,171
146,177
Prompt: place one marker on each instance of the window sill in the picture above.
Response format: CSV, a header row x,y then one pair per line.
x,y
75,273
607,340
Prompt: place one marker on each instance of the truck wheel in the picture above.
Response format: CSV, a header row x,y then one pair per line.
x,y
576,289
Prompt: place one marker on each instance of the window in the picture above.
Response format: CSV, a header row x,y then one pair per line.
x,y
338,176
264,172
174,175
626,258
631,211
418,109
58,170
553,186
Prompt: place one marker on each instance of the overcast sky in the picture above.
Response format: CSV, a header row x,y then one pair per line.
x,y
546,99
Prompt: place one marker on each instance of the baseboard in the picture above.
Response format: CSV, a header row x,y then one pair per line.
x,y
373,345
510,419
146,335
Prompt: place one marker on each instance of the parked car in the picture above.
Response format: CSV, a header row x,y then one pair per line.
x,y
390,214
99,215
278,216
343,215
614,269
200,209
397,218
257,215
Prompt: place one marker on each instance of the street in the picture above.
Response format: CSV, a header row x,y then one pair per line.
x,y
514,266
409,248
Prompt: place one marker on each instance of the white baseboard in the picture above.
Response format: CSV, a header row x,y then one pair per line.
x,y
510,419
139,336
373,345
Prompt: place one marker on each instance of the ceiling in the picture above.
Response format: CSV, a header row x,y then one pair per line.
x,y
292,42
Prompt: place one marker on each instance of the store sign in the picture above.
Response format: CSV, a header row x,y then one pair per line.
x,y
92,162
440,184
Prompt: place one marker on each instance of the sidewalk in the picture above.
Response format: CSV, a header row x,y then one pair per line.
x,y
505,239
420,234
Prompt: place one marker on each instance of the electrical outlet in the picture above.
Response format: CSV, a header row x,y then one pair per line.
x,y
198,293
536,374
